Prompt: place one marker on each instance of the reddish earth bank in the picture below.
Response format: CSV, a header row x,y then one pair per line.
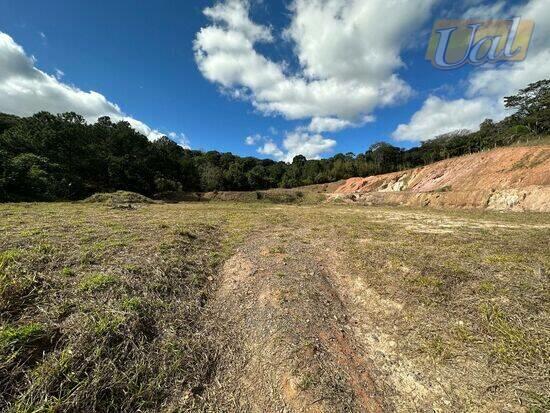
x,y
512,178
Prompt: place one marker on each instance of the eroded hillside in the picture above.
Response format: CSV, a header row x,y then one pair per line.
x,y
512,178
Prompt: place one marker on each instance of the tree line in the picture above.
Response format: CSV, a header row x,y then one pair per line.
x,y
49,157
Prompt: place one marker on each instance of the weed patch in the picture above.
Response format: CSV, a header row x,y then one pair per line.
x,y
96,282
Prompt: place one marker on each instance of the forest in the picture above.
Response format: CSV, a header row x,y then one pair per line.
x,y
47,157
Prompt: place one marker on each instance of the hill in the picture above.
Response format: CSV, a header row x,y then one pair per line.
x,y
511,178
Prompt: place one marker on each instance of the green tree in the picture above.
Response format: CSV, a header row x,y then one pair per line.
x,y
211,178
30,177
532,106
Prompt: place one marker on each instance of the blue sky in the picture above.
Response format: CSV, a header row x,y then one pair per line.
x,y
141,57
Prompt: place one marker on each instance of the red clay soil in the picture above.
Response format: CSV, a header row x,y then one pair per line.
x,y
512,178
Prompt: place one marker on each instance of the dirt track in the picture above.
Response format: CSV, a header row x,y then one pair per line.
x,y
298,330
292,345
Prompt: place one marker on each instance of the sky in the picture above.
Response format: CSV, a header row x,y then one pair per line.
x,y
260,78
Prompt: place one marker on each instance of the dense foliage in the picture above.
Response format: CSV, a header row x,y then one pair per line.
x,y
49,157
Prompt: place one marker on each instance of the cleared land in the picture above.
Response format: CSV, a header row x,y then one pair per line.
x,y
265,307
503,179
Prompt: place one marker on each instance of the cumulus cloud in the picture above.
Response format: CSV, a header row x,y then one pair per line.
x,y
253,139
270,148
312,146
25,90
348,50
485,89
439,116
320,125
353,39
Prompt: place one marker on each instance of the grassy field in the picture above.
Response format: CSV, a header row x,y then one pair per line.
x,y
158,308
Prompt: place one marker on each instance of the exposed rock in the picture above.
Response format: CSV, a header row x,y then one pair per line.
x,y
512,178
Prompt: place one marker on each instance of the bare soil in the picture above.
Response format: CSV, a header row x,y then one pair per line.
x,y
511,178
285,334
307,323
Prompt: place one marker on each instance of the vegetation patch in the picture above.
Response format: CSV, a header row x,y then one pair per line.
x,y
128,349
96,282
15,339
119,197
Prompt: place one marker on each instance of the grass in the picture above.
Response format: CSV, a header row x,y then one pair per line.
x,y
511,342
67,272
534,141
119,197
89,313
14,339
9,256
473,296
306,382
279,249
446,188
101,309
96,282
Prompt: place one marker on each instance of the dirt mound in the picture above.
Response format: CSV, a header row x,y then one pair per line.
x,y
514,178
119,197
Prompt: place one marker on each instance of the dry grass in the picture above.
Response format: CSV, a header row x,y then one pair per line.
x,y
474,298
534,141
102,309
99,307
119,197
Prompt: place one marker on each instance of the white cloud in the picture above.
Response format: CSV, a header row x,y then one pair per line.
x,y
486,88
438,116
270,148
503,81
298,142
253,139
234,14
347,49
349,52
320,125
312,146
485,11
180,138
26,90
353,39
59,74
